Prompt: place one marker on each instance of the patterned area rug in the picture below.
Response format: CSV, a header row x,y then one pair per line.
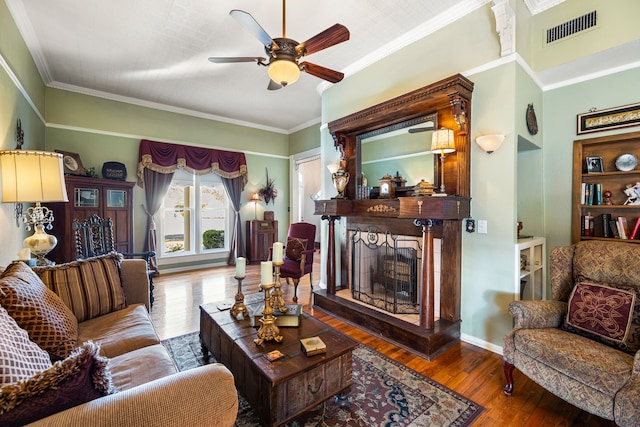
x,y
384,393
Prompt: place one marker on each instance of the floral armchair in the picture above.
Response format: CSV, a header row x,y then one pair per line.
x,y
582,345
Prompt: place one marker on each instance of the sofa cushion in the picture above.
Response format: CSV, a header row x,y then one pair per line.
x,y
81,377
141,366
19,356
607,262
591,363
90,287
121,331
295,247
605,313
36,309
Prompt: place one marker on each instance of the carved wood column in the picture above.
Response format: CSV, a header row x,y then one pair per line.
x,y
427,286
331,254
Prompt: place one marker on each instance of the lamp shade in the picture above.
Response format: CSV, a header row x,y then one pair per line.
x,y
283,71
442,141
32,176
255,197
490,143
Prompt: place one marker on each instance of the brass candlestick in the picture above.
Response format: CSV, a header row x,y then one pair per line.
x,y
239,306
268,331
277,301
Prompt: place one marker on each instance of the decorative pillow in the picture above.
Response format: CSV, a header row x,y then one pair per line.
x,y
605,313
295,247
37,310
89,287
81,377
19,356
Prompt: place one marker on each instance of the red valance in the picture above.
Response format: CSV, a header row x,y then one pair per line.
x,y
167,158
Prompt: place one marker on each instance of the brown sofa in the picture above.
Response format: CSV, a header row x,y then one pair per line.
x,y
150,391
582,345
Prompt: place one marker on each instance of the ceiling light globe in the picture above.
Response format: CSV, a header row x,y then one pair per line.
x,y
283,71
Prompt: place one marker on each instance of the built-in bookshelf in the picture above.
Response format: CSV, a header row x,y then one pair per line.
x,y
606,199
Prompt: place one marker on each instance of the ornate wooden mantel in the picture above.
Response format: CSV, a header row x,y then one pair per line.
x,y
450,99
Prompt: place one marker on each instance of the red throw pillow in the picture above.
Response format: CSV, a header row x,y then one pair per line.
x,y
605,312
295,247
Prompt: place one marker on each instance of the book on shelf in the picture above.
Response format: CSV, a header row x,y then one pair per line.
x,y
636,230
623,227
312,346
583,189
589,194
606,231
613,224
587,224
597,196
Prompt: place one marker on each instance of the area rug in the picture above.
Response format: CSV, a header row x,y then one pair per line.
x,y
384,393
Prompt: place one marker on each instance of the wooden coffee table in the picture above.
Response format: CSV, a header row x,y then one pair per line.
x,y
278,391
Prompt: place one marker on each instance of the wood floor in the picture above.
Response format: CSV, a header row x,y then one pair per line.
x,y
469,370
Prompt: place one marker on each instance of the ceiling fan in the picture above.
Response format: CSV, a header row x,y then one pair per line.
x,y
284,54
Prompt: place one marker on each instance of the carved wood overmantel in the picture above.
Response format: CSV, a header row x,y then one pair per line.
x,y
450,101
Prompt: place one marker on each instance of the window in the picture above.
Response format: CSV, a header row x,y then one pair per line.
x,y
194,216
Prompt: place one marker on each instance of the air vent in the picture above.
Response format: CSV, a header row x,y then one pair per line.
x,y
568,28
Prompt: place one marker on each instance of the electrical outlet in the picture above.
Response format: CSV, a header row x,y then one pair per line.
x,y
482,226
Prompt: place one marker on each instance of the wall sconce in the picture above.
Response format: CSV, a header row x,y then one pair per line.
x,y
490,143
442,142
255,198
34,176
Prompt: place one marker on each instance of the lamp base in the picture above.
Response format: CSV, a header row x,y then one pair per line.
x,y
40,243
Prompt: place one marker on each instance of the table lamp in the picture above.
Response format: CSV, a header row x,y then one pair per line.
x,y
442,142
34,177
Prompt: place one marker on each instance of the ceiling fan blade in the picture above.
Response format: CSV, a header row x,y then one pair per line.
x,y
246,20
329,37
224,60
273,85
322,72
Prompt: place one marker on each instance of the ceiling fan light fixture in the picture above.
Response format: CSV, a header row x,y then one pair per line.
x,y
283,71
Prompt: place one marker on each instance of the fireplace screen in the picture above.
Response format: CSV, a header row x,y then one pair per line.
x,y
384,270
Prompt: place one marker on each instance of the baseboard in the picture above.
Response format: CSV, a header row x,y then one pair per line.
x,y
481,343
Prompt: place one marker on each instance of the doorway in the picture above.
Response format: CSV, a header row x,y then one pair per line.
x,y
305,187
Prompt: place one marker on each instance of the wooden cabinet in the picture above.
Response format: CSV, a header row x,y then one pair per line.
x,y
261,235
531,269
87,196
606,151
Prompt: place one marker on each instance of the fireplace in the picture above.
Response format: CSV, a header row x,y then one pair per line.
x,y
384,270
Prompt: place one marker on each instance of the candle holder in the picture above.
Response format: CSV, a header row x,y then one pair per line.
x,y
277,301
268,331
239,306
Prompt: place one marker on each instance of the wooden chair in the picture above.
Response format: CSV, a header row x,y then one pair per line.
x,y
298,257
94,237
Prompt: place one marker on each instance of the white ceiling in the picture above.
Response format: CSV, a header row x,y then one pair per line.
x,y
154,52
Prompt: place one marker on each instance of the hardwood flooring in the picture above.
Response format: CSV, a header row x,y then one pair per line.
x,y
469,370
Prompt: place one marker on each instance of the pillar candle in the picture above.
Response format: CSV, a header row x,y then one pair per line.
x,y
266,272
241,264
277,251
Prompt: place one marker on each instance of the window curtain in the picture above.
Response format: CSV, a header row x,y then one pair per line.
x,y
164,158
155,190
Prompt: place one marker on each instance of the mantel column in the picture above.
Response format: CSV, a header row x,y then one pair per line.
x,y
427,286
331,254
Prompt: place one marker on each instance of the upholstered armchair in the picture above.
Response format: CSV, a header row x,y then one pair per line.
x,y
298,254
582,345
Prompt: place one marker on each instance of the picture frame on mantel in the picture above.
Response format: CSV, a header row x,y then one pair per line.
x,y
608,119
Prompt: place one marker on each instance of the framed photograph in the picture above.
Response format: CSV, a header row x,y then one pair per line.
x,y
116,199
72,163
610,118
594,165
86,198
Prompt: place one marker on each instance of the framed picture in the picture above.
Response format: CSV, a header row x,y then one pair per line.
x,y
72,163
594,165
86,198
610,118
116,199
